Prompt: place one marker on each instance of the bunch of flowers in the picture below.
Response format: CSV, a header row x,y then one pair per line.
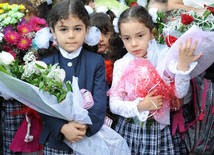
x,y
47,78
180,21
16,35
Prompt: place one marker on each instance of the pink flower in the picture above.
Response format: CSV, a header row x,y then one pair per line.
x,y
24,43
37,23
23,29
11,37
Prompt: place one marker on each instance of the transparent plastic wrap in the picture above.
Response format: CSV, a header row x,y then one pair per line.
x,y
106,140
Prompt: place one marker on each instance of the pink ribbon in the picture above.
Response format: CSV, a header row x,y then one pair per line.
x,y
178,121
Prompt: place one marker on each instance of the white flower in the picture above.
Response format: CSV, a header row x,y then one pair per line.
x,y
29,57
153,14
42,64
1,36
56,74
29,69
61,75
6,58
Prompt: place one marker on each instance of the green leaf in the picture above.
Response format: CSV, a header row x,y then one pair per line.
x,y
68,86
41,85
39,66
2,69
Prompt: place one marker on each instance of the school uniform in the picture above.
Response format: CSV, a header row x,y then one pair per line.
x,y
10,123
90,69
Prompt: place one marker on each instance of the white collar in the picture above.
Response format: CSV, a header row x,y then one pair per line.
x,y
72,55
130,56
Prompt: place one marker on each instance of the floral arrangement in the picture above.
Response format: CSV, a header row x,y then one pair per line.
x,y
48,78
179,21
16,34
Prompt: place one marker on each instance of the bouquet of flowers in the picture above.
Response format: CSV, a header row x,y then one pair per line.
x,y
42,87
16,35
183,25
70,108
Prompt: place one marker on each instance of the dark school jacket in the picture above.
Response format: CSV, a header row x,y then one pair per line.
x,y
90,69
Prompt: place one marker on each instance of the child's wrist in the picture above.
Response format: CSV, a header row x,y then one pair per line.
x,y
183,67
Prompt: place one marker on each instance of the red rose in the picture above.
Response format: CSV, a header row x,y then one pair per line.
x,y
132,4
170,40
186,19
211,10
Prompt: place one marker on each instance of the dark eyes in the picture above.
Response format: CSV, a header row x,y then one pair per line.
x,y
126,39
106,34
63,29
77,29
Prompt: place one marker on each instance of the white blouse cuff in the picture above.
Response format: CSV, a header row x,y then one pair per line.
x,y
143,115
173,67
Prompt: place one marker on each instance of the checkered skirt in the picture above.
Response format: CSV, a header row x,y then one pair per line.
x,y
10,123
145,141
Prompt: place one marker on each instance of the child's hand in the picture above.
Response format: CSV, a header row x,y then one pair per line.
x,y
74,131
185,55
146,104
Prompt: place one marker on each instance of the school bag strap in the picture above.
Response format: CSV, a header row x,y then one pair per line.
x,y
199,134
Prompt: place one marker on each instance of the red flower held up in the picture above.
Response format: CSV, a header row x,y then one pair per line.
x,y
170,40
211,10
186,19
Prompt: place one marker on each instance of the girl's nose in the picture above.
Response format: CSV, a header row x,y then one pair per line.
x,y
134,42
101,38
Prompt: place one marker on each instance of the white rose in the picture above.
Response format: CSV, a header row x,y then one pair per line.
x,y
61,75
6,58
41,66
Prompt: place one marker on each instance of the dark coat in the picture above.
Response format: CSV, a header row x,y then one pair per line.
x,y
90,69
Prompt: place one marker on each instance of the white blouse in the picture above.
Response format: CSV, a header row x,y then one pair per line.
x,y
129,109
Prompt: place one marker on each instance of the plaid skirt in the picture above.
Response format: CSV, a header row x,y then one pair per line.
x,y
49,151
10,123
146,141
178,142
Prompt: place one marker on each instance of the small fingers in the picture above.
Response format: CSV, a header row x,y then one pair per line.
x,y
189,44
194,46
197,57
159,105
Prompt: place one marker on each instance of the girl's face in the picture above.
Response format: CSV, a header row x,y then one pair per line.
x,y
103,43
135,37
70,33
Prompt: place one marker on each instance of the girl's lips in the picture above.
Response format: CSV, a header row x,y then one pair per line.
x,y
135,51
